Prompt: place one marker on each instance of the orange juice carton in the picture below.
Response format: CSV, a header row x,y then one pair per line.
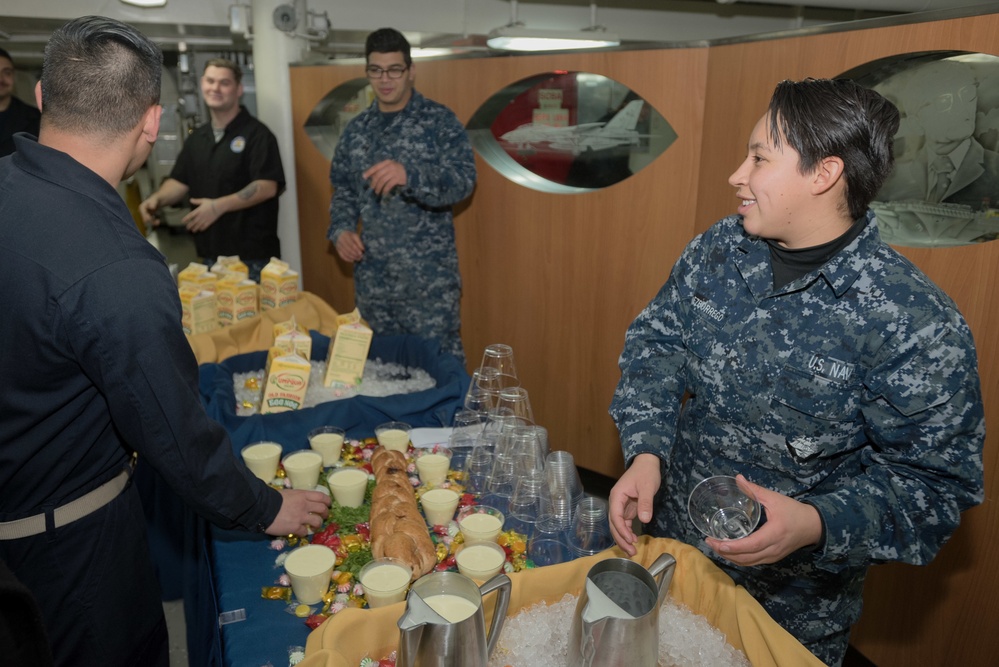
x,y
236,299
348,351
287,383
198,310
278,285
231,267
288,325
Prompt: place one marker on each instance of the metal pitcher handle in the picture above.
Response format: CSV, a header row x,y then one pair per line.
x,y
503,583
665,565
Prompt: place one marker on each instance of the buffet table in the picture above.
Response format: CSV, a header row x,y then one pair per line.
x,y
233,565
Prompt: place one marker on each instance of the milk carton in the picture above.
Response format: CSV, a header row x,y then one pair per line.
x,y
287,383
348,351
278,285
190,276
236,299
290,332
198,310
231,267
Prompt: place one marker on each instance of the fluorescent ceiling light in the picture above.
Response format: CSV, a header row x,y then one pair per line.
x,y
517,38
146,3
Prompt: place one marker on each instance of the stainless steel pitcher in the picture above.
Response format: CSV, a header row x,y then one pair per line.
x,y
428,639
616,623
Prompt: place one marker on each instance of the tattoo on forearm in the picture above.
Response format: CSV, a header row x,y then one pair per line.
x,y
248,192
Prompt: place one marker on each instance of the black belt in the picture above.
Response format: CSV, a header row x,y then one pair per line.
x,y
68,513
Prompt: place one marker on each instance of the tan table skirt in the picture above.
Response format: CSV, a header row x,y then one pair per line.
x,y
257,334
698,584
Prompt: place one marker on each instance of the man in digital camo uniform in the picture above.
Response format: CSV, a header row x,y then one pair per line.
x,y
399,168
818,363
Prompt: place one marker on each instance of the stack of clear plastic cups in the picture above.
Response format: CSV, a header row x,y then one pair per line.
x,y
565,488
482,391
590,532
525,503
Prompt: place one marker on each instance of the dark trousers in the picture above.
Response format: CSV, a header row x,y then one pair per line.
x,y
96,588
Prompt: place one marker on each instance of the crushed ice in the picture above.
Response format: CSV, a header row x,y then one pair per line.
x,y
539,635
380,379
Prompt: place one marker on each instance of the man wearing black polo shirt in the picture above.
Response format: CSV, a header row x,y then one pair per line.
x,y
231,170
95,367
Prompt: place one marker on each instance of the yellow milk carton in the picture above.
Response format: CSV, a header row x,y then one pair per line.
x,y
348,351
278,285
231,266
294,342
287,383
198,310
188,276
236,299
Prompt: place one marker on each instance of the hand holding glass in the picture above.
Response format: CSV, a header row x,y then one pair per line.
x,y
720,509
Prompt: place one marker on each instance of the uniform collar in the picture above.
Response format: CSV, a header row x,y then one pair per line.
x,y
753,261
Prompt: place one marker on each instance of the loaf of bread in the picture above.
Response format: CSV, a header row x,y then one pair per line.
x,y
397,527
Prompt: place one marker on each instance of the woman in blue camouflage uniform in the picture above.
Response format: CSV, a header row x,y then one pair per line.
x,y
816,362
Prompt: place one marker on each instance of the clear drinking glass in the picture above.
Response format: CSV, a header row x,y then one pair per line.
x,y
720,509
500,357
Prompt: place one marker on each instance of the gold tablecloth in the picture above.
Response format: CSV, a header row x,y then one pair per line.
x,y
698,584
257,334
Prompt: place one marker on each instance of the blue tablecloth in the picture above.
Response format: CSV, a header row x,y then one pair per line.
x,y
225,570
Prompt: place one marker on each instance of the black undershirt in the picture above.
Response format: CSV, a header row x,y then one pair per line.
x,y
789,265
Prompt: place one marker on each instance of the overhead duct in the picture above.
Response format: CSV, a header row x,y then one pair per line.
x,y
900,6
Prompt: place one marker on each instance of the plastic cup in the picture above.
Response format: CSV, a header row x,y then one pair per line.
x,y
262,459
548,545
309,569
433,464
480,523
500,357
328,441
439,506
393,435
385,581
303,468
591,529
720,509
348,486
481,561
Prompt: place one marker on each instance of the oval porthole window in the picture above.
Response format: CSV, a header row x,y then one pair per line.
x,y
944,190
568,132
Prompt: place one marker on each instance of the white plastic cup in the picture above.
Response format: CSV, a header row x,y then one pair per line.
x,y
328,441
262,459
439,506
393,435
309,569
432,465
481,560
303,468
479,523
348,486
385,581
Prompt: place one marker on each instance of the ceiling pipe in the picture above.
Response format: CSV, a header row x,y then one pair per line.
x,y
901,6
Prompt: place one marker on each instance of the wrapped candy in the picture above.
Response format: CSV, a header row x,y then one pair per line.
x,y
276,593
315,620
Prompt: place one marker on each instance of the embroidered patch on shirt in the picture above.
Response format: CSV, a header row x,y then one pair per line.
x,y
237,145
830,368
700,304
803,448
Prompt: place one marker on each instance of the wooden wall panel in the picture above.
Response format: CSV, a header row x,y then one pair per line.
x,y
558,277
945,613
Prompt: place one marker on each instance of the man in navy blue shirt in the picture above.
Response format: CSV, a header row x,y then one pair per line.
x,y
95,367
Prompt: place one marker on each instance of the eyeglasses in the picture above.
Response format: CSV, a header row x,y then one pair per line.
x,y
375,72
